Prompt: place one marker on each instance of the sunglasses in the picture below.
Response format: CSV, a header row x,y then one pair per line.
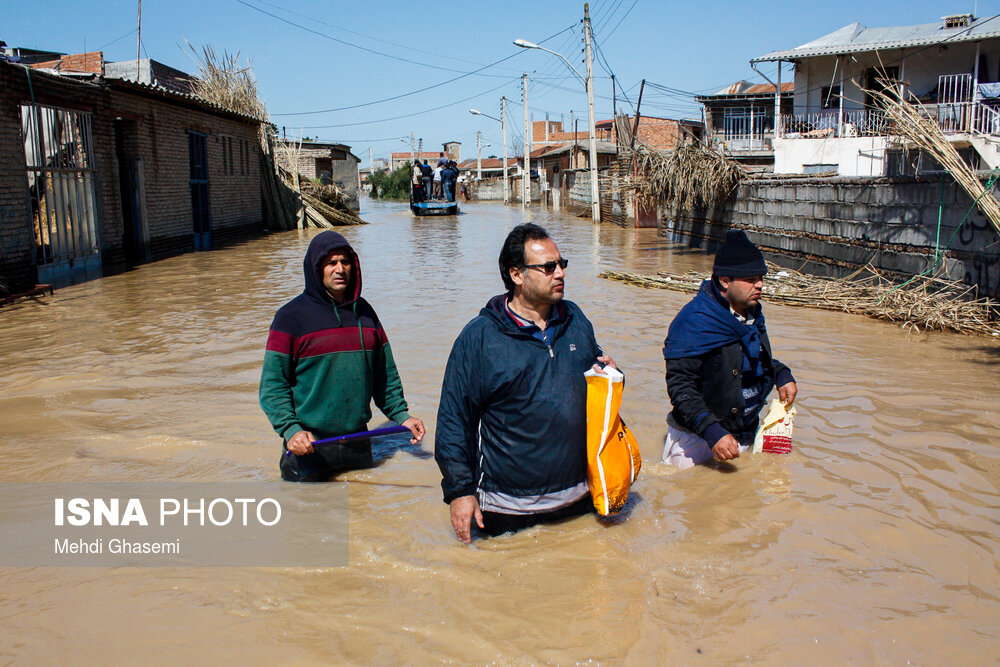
x,y
548,268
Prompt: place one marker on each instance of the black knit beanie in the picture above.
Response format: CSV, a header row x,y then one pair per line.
x,y
738,257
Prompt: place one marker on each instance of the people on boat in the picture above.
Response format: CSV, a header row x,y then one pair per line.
x,y
427,177
327,359
719,363
511,424
448,177
438,183
417,181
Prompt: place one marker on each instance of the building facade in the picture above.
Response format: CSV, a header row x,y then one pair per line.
x,y
950,67
104,174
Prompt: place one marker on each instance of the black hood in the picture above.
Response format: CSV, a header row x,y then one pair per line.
x,y
321,246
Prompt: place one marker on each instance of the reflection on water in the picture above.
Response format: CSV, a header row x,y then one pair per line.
x,y
874,541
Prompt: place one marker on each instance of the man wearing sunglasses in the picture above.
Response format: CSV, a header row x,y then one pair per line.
x,y
511,429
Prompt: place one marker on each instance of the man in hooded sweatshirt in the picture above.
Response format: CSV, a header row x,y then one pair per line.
x,y
719,363
327,357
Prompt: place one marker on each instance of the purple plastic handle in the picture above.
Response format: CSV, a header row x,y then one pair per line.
x,y
350,437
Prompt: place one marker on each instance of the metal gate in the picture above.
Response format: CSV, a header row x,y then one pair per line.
x,y
58,153
954,102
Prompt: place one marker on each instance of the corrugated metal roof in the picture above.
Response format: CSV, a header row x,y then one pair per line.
x,y
856,38
159,91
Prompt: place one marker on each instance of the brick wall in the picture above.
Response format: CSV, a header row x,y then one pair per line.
x,y
558,135
17,244
659,132
161,140
78,62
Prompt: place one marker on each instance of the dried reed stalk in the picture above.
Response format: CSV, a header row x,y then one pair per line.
x,y
927,134
922,303
689,176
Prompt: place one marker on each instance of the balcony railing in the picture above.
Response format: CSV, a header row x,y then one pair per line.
x,y
952,118
731,142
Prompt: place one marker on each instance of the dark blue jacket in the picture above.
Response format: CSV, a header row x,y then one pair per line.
x,y
513,410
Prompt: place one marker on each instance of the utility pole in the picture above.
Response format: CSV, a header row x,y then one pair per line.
x,y
614,112
595,193
413,154
371,159
638,113
526,176
479,156
138,48
503,122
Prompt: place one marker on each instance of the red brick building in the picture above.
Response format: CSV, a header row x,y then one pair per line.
x,y
103,174
658,133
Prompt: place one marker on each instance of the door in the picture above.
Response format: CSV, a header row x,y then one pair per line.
x,y
200,214
58,150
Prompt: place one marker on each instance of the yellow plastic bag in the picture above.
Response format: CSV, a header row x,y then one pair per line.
x,y
613,458
775,434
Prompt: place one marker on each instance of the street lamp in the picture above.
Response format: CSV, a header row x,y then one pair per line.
x,y
588,82
503,122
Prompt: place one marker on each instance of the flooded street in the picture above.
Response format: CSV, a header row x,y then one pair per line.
x,y
875,541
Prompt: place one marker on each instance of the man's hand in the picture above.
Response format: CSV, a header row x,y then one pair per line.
x,y
786,393
726,448
463,509
301,443
416,426
607,361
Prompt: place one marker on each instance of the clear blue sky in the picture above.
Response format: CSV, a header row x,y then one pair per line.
x,y
311,56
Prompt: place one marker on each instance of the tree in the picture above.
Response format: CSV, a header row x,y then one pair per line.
x,y
391,186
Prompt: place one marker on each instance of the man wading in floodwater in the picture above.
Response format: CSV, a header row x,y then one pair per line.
x,y
512,423
719,364
327,357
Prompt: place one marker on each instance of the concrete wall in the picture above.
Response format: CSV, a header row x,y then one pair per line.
x,y
855,156
491,189
836,225
345,175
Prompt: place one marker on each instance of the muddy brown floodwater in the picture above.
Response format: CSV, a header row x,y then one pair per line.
x,y
875,541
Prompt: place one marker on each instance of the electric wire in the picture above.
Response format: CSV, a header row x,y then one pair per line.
x,y
413,92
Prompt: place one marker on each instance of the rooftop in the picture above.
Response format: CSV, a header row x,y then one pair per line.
x,y
856,38
742,89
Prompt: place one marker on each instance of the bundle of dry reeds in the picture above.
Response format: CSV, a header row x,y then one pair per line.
x,y
923,302
224,82
691,175
922,130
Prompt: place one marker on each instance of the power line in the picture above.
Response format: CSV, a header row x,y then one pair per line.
x,y
413,92
347,43
409,115
374,39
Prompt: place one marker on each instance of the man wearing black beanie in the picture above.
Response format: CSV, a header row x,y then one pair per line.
x,y
719,363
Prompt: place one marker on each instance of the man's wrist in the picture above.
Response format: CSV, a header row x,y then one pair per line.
x,y
714,433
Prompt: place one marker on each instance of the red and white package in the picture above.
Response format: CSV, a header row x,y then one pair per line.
x,y
775,434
